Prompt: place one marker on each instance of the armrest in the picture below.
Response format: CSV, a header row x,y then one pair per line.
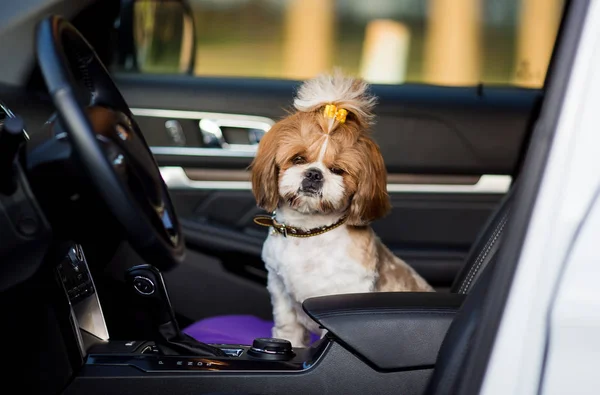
x,y
391,330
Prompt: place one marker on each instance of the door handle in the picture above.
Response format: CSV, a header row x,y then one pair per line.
x,y
233,134
215,131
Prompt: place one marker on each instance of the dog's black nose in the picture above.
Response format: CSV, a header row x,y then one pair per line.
x,y
313,180
314,175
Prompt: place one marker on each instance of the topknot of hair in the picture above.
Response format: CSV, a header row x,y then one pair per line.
x,y
343,91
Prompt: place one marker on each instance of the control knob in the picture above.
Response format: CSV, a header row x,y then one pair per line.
x,y
271,349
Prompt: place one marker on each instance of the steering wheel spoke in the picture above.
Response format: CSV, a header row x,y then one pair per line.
x,y
108,142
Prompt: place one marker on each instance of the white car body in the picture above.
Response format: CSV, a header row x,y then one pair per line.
x,y
548,341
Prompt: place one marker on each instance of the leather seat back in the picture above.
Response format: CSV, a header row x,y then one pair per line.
x,y
474,280
485,247
456,346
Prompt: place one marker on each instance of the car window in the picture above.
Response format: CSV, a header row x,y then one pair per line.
x,y
442,42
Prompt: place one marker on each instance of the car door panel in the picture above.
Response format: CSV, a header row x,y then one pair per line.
x,y
429,231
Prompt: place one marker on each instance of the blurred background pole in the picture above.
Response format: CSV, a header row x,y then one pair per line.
x,y
187,45
308,46
452,42
385,52
538,25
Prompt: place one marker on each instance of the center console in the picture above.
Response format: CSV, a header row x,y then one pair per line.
x,y
145,357
79,287
355,357
156,355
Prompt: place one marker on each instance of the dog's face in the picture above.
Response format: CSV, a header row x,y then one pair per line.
x,y
311,171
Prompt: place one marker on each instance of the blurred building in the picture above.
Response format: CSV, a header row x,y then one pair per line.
x,y
445,42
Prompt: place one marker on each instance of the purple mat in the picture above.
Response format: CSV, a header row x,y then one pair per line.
x,y
232,329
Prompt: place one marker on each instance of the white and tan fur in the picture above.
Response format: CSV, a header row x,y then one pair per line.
x,y
347,259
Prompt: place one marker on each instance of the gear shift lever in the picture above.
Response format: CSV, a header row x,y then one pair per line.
x,y
148,285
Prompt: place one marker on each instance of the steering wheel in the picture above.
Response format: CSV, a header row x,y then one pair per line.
x,y
108,143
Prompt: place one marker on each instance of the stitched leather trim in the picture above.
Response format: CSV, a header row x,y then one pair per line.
x,y
492,241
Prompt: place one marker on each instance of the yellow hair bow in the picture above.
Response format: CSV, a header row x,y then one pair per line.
x,y
331,111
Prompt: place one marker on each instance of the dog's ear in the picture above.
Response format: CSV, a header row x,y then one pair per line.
x,y
265,172
371,200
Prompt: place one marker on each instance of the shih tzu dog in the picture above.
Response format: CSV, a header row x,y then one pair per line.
x,y
324,179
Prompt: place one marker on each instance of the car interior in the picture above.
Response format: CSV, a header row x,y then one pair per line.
x,y
129,261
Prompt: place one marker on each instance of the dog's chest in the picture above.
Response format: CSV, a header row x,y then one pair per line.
x,y
315,266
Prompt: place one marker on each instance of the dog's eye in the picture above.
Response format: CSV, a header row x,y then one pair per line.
x,y
298,160
336,170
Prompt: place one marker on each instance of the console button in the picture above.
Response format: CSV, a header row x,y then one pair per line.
x,y
232,352
144,285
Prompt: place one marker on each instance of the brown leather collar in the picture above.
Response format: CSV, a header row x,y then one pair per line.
x,y
285,230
